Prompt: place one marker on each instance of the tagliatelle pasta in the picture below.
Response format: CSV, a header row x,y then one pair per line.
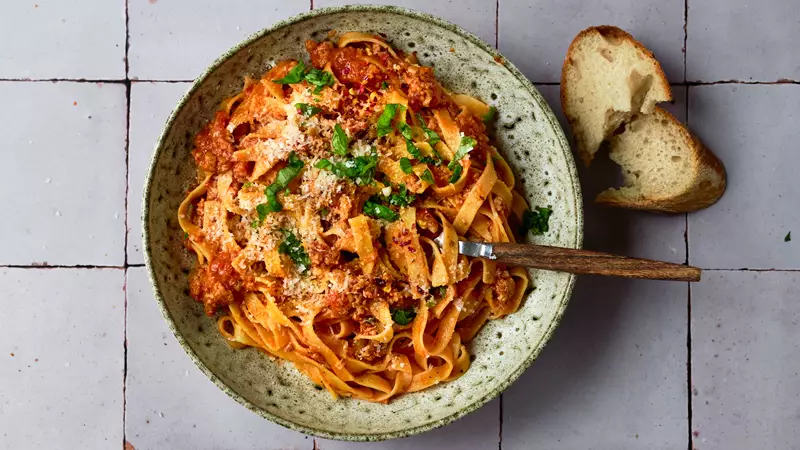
x,y
321,191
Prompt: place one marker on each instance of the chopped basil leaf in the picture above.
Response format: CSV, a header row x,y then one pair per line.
x,y
285,176
489,116
320,79
379,211
405,130
294,76
247,184
360,169
292,247
384,85
402,197
433,138
430,302
416,154
403,316
442,291
427,177
307,110
292,169
466,146
324,164
324,212
536,221
405,165
339,141
457,169
185,235
788,237
385,120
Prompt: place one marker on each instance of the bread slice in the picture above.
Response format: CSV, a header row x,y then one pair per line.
x,y
666,168
607,78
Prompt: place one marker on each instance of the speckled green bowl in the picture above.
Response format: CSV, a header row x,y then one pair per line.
x,y
527,134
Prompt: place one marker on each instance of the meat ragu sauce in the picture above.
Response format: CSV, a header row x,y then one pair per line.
x,y
357,68
323,189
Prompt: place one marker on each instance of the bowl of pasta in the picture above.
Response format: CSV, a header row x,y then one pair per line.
x,y
301,206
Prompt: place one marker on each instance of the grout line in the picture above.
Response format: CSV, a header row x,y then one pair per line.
x,y
689,387
125,361
500,437
545,83
685,34
497,25
127,192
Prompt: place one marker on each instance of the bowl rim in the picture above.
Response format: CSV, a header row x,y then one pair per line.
x,y
549,116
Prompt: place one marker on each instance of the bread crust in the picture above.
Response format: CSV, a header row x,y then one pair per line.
x,y
610,33
707,186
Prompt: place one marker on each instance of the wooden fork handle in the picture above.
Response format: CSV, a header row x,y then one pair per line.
x,y
591,263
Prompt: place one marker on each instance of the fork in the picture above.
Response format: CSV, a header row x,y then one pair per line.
x,y
576,261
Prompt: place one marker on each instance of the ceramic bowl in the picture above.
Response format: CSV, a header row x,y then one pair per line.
x,y
527,134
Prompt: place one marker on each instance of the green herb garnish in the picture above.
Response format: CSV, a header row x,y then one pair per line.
x,y
379,211
430,302
405,165
384,85
339,141
433,138
403,316
402,198
405,130
457,169
427,177
307,110
385,120
246,184
537,222
324,212
467,144
294,76
292,247
285,176
320,79
490,115
360,169
185,235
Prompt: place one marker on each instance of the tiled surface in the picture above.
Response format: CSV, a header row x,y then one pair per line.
x,y
171,404
178,39
476,16
151,105
44,39
479,430
535,35
759,144
742,40
615,375
745,353
63,194
61,358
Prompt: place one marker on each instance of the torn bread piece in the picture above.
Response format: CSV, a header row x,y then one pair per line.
x,y
607,78
666,168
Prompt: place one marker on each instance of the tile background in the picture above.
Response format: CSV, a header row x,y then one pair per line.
x,y
86,361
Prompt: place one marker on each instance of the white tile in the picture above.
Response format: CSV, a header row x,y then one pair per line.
x,y
613,377
479,430
753,130
64,154
535,36
631,233
178,39
740,40
151,105
476,16
170,403
746,360
43,39
61,358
